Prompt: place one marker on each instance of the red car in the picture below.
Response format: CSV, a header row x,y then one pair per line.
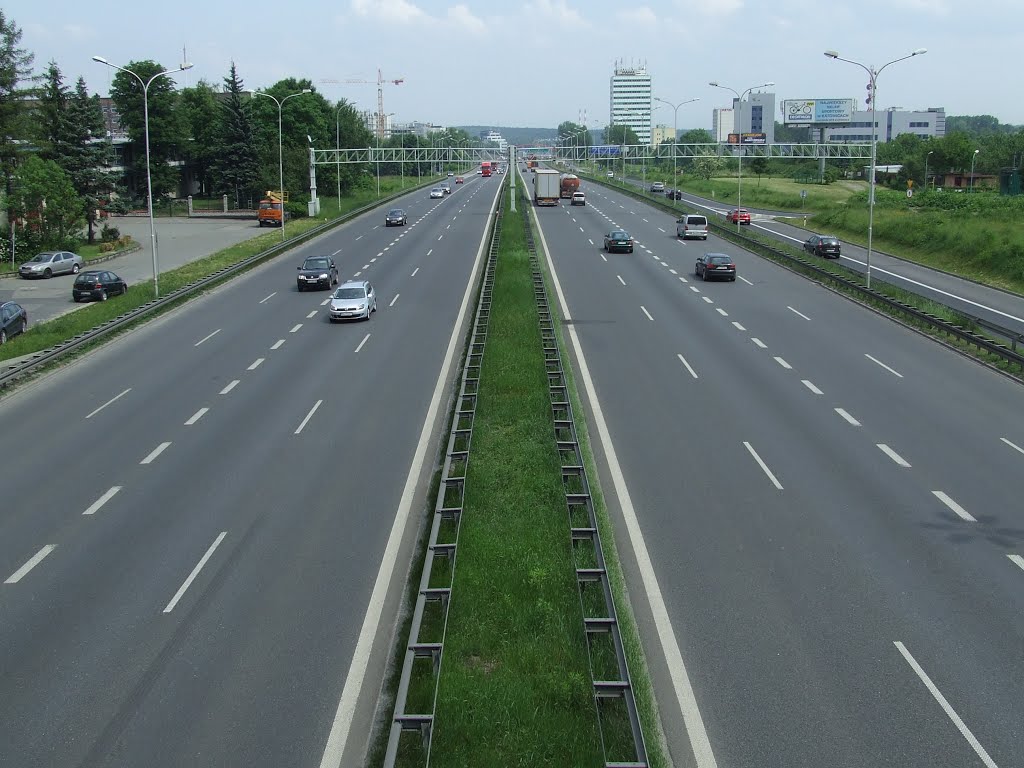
x,y
458,180
738,215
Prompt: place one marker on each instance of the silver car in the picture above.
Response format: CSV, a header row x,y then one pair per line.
x,y
353,300
52,263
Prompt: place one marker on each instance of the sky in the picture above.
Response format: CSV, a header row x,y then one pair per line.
x,y
537,63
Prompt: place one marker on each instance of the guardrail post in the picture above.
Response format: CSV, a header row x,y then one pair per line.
x,y
189,201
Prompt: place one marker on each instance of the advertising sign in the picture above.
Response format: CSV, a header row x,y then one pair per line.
x,y
748,138
815,111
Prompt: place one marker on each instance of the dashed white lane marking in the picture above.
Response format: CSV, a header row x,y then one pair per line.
x,y
256,364
268,297
960,511
277,344
1012,445
311,314
414,272
230,386
647,313
893,455
759,343
590,241
604,257
660,229
360,237
810,385
721,311
366,266
737,326
708,299
196,416
430,251
620,279
195,572
683,280
879,362
295,328
325,302
1018,560
357,274
206,338
440,236
114,399
373,260
741,277
154,453
379,254
784,364
95,506
581,229
35,560
394,300
309,416
763,466
338,251
950,712
688,366
797,312
367,336
842,412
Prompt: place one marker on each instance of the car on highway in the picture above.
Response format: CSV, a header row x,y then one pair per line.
x,y
738,215
459,180
715,266
396,217
13,320
436,192
317,272
618,240
578,198
97,285
826,246
51,263
451,173
353,300
692,225
657,187
674,194
446,188
611,174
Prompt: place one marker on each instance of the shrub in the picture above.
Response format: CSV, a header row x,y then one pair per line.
x,y
107,247
109,233
296,209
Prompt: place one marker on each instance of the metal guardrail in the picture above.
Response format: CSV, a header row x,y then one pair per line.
x,y
11,373
611,681
432,601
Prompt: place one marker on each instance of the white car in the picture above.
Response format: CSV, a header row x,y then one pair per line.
x,y
436,192
353,300
611,174
578,198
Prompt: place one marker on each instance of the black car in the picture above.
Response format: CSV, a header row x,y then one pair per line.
x,y
397,217
13,320
98,284
674,194
317,272
618,240
826,246
714,266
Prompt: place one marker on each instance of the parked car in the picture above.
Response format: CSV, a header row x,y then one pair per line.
x,y
738,215
52,263
826,246
692,225
657,187
712,266
618,240
97,285
353,300
397,217
436,192
316,272
578,198
13,320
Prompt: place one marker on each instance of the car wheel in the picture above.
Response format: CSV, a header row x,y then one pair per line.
x,y
74,269
77,299
48,273
103,295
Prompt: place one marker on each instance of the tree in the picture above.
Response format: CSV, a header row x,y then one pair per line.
x,y
89,154
759,165
15,67
51,123
235,167
43,197
696,136
199,110
620,134
706,167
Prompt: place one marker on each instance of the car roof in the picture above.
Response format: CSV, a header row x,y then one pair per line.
x,y
718,253
396,210
354,284
618,232
92,272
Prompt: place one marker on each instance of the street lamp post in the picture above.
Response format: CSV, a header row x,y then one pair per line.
x,y
280,141
337,151
930,153
675,137
873,85
973,158
149,179
739,156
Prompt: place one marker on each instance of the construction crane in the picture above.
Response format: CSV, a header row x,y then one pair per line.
x,y
380,94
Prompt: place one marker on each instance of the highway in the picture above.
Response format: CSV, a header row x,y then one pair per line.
x,y
199,516
828,501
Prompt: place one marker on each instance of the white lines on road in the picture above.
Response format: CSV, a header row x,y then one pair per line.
x,y
379,254
581,229
796,312
414,272
206,338
721,311
111,400
683,280
953,506
357,274
367,336
590,241
645,221
430,251
672,271
196,416
295,328
647,313
448,227
325,302
604,257
373,260
759,343
738,326
879,362
394,300
230,386
810,385
846,416
620,279
360,237
708,299
256,364
195,572
35,560
694,288
440,236
336,252
366,266
688,366
763,466
660,229
308,417
1012,445
154,453
95,506
311,314
893,455
950,712
784,364
277,344
741,277
1018,560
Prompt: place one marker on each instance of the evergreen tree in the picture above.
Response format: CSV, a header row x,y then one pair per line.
x,y
200,114
51,114
235,167
89,154
15,70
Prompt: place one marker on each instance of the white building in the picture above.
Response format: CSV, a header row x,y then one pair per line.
x,y
494,137
369,119
755,114
723,121
631,99
890,123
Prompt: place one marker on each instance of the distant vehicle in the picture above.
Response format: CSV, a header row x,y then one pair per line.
x,y
97,284
317,272
738,215
674,194
396,217
451,173
546,189
13,320
446,188
272,209
485,168
618,240
578,198
692,225
826,246
712,266
657,187
570,183
611,174
436,192
479,172
459,180
353,300
51,263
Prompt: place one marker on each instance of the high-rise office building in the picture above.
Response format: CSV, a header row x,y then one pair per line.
x,y
631,100
722,124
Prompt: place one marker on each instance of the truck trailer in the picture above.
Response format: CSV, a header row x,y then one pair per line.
x,y
570,184
546,186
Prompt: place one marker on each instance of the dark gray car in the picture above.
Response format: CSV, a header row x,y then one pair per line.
x,y
51,263
317,272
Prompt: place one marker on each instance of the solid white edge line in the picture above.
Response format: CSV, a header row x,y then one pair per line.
x,y
842,412
1012,445
111,400
268,297
308,416
810,385
797,312
195,572
950,712
685,697
196,416
256,364
394,300
154,453
230,386
647,313
1018,560
334,750
35,560
892,454
367,336
688,367
954,507
763,466
879,362
206,338
95,506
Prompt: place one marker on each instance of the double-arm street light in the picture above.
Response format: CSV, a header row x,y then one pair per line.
x,y
973,158
149,179
739,156
675,137
280,140
873,86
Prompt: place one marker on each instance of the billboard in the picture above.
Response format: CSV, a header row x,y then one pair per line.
x,y
748,138
817,111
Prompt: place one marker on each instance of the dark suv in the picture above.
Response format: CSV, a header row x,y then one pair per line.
x,y
317,272
826,246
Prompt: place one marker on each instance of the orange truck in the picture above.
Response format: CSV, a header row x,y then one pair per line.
x,y
271,210
570,184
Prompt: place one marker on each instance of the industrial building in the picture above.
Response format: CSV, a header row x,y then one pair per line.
x,y
890,123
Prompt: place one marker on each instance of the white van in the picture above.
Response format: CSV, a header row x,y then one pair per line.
x,y
692,225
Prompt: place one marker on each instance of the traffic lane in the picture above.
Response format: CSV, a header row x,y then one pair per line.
x,y
648,452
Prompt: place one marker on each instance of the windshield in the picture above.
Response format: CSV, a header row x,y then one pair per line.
x,y
40,258
620,236
395,212
350,293
719,259
88,277
315,264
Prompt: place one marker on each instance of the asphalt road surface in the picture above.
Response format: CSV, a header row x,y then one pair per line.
x,y
198,517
